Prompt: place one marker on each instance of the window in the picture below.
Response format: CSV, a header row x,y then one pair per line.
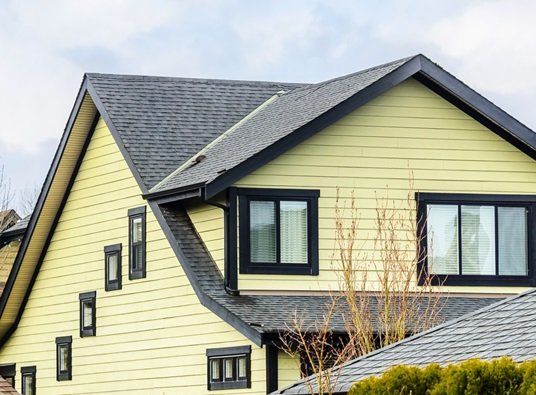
x,y
136,241
63,358
278,231
87,314
112,267
477,239
229,368
8,373
28,380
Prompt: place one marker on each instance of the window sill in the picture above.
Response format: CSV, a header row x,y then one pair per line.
x,y
482,280
293,269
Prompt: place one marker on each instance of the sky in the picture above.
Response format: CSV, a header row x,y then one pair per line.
x,y
46,47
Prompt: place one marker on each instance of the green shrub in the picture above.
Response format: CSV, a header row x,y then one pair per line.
x,y
473,377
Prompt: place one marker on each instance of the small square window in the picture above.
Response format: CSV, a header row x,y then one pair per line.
x,y
229,368
137,243
112,267
28,380
87,314
63,358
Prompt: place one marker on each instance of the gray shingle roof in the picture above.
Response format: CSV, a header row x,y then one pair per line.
x,y
163,121
507,328
272,313
270,123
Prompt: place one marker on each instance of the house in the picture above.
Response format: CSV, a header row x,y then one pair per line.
x,y
10,241
504,329
184,222
8,218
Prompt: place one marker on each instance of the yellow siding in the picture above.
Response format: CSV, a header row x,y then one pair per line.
x,y
8,253
152,334
373,151
289,369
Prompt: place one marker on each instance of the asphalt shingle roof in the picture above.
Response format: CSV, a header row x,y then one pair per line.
x,y
507,328
273,121
273,313
163,121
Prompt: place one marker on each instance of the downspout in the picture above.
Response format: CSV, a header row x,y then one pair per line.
x,y
230,280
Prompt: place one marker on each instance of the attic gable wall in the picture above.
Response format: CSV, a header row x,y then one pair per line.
x,y
408,132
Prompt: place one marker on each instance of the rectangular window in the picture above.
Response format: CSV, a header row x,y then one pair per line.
x,y
112,267
229,368
63,358
88,321
278,231
477,239
28,381
136,256
8,373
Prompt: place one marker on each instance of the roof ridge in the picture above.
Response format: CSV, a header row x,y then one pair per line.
x,y
142,77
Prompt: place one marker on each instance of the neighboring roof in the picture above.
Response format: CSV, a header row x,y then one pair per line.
x,y
18,228
507,328
8,218
6,388
163,121
271,314
297,114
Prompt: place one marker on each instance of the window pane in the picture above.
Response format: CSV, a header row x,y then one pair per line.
x,y
136,229
27,384
478,240
229,368
112,267
87,314
241,367
64,351
442,239
215,374
262,232
293,228
512,241
137,256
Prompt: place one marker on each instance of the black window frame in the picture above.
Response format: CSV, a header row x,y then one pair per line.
x,y
245,196
111,250
66,341
8,371
28,371
133,213
220,355
87,331
497,200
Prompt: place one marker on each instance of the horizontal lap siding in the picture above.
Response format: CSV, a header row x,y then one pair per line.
x,y
373,152
152,334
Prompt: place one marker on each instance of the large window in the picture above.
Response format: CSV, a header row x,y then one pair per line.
x,y
112,267
477,239
229,367
63,358
136,255
278,231
88,319
28,383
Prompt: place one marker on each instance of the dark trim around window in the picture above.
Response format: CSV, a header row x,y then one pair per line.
x,y
277,195
140,270
228,356
527,201
64,342
28,372
111,251
88,299
8,373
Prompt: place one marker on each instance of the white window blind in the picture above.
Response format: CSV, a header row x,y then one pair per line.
x,y
512,241
442,231
263,244
293,231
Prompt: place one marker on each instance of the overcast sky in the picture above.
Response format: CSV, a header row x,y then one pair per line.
x,y
46,46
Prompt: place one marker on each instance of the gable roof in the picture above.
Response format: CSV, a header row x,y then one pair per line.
x,y
125,102
297,114
507,328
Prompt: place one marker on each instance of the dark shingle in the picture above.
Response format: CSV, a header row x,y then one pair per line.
x,y
481,334
163,121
